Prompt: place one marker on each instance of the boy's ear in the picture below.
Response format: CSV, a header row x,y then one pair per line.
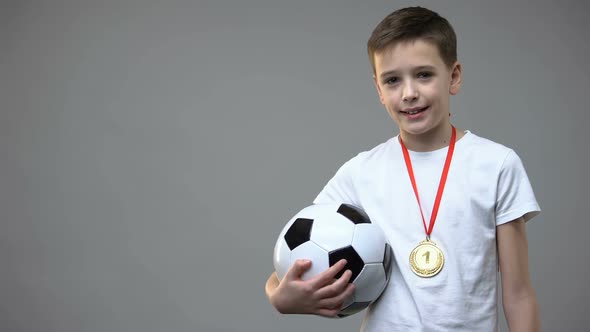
x,y
378,90
455,79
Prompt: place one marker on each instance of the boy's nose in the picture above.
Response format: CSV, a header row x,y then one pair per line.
x,y
409,93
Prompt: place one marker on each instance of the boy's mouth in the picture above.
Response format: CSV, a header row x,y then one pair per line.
x,y
414,110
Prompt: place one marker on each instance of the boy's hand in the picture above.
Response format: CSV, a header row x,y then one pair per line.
x,y
321,295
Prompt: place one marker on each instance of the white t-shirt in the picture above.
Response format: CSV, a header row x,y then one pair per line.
x,y
486,186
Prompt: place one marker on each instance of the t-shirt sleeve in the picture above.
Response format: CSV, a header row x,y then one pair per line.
x,y
515,197
340,188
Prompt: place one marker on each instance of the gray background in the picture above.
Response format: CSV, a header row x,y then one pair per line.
x,y
152,151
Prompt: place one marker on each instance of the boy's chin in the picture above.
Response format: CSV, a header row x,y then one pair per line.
x,y
420,129
416,129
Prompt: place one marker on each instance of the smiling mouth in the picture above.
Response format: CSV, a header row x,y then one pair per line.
x,y
414,111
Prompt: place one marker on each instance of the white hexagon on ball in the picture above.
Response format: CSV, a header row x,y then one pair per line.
x,y
369,242
332,232
282,258
371,275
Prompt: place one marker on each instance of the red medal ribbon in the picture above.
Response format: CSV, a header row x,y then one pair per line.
x,y
441,185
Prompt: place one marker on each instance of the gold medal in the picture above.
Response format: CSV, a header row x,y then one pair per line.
x,y
427,259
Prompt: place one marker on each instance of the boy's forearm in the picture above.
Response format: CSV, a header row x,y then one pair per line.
x,y
522,313
271,284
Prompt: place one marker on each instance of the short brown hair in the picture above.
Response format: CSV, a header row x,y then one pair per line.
x,y
410,24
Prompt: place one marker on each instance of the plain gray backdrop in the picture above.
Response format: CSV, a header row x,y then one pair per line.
x,y
151,151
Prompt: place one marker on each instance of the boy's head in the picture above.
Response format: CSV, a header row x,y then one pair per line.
x,y
415,69
412,24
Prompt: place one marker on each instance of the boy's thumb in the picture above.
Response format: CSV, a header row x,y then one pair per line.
x,y
300,266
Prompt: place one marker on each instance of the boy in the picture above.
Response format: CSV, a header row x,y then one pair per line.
x,y
449,233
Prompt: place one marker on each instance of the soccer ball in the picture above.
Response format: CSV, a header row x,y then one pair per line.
x,y
326,233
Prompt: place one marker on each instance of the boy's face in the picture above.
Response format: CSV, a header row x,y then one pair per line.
x,y
414,85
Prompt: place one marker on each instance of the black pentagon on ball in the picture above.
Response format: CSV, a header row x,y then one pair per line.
x,y
354,262
354,214
298,233
387,260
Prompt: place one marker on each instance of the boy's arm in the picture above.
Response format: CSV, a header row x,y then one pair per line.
x,y
520,302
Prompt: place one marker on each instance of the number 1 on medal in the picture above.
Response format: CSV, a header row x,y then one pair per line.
x,y
427,254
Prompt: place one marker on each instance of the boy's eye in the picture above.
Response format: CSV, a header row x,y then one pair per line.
x,y
424,75
390,80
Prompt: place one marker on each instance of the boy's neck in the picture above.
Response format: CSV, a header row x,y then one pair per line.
x,y
430,141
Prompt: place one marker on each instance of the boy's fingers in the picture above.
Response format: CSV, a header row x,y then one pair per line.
x,y
335,288
328,312
333,305
348,292
338,299
326,277
297,269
